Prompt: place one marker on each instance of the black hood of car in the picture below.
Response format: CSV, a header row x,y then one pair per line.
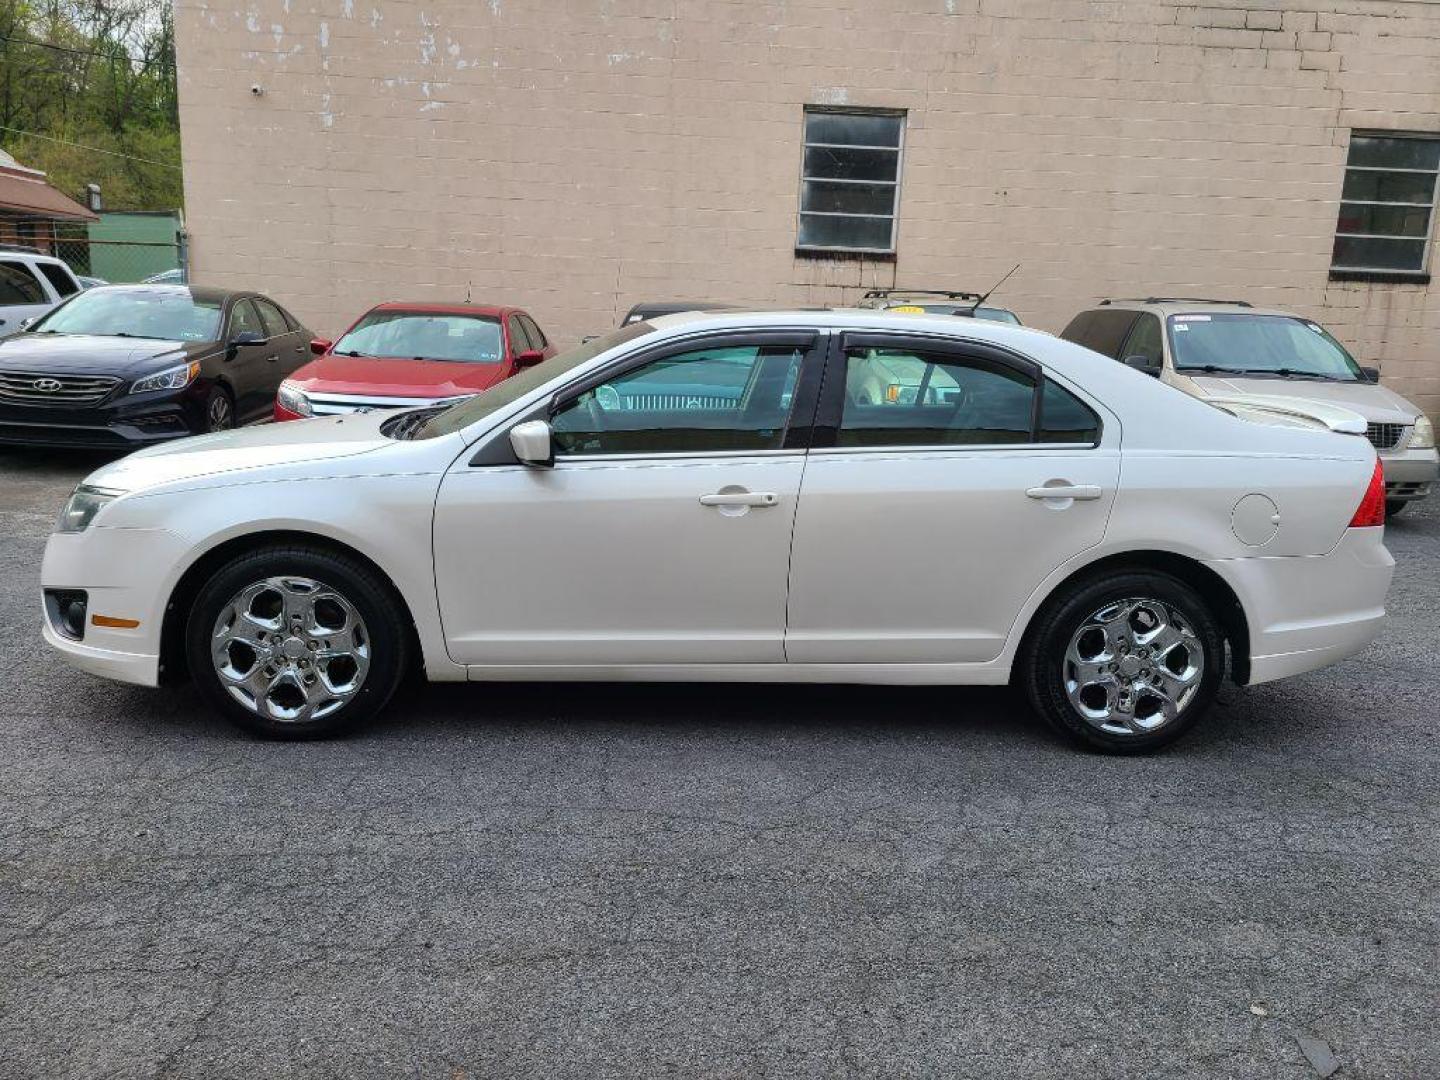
x,y
84,354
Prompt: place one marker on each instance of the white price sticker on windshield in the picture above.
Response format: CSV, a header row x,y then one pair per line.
x,y
1191,318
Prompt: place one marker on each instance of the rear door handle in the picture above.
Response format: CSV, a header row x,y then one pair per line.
x,y
272,359
1065,491
740,498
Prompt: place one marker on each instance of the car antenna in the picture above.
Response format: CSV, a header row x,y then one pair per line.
x,y
976,306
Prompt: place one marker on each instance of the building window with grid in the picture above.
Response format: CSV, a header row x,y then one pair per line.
x,y
850,180
1386,205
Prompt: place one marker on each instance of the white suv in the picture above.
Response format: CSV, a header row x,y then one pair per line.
x,y
30,285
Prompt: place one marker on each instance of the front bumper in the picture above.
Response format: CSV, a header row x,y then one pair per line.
x,y
1410,474
121,421
126,574
1308,611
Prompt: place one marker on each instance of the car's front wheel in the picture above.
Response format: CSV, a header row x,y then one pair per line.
x,y
297,642
1124,663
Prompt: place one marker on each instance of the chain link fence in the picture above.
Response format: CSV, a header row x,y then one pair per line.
x,y
110,256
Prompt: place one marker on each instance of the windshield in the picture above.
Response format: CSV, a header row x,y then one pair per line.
x,y
463,414
1259,345
165,314
419,335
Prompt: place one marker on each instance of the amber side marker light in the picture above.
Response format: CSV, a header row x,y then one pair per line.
x,y
114,623
1371,511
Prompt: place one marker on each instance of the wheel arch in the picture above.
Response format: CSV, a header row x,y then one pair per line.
x,y
1213,588
173,665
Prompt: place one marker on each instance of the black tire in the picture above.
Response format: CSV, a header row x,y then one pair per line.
x,y
383,629
1042,666
1395,507
219,411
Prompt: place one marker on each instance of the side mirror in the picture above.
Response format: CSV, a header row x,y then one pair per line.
x,y
533,444
529,358
1148,364
1371,373
320,346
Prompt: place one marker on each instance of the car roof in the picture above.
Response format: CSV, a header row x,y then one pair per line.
x,y
1164,306
857,318
206,294
440,307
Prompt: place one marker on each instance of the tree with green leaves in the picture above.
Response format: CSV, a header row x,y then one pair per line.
x,y
87,94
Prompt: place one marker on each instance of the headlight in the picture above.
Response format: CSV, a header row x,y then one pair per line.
x,y
82,506
175,378
291,398
1423,437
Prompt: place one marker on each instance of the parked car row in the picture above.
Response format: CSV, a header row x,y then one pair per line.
x,y
139,364
734,497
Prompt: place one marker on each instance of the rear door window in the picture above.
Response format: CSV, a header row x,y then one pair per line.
x,y
895,397
275,324
19,286
1102,330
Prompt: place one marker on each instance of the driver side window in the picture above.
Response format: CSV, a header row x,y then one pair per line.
x,y
720,398
243,320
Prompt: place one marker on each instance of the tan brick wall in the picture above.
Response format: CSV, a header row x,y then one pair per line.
x,y
576,157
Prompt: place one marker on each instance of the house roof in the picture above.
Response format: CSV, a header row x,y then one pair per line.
x,y
25,191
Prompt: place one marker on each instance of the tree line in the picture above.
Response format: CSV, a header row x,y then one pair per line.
x,y
78,77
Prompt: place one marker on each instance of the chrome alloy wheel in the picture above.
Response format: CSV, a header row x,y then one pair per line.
x,y
290,649
219,415
1133,667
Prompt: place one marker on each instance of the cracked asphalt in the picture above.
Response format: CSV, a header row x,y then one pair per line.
x,y
586,881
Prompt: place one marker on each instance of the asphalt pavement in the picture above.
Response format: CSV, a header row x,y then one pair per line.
x,y
715,881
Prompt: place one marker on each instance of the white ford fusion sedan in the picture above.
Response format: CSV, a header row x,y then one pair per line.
x,y
713,497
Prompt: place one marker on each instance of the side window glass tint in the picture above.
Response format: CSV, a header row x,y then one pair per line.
x,y
519,340
244,320
894,397
62,282
1064,418
18,285
732,397
1109,330
532,331
1144,340
270,316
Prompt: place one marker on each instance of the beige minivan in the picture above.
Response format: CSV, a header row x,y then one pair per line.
x,y
1226,348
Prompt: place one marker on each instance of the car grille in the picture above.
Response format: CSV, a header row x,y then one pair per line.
x,y
676,402
338,404
1385,436
56,391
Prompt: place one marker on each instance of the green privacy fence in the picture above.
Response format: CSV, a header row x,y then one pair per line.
x,y
125,247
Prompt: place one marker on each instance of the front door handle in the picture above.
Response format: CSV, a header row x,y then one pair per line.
x,y
740,498
272,359
1085,492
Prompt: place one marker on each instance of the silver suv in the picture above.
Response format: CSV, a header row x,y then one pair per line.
x,y
30,285
1219,348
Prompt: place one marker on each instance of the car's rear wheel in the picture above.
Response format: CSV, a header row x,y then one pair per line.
x,y
1395,507
1124,663
297,642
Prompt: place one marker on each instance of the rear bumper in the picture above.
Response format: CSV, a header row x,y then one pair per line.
x,y
1306,612
1409,474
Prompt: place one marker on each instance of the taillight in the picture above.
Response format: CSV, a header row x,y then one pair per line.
x,y
1371,511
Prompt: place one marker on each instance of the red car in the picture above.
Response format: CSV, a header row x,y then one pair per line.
x,y
399,355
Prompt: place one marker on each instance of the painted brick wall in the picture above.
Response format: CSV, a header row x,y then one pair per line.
x,y
577,157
